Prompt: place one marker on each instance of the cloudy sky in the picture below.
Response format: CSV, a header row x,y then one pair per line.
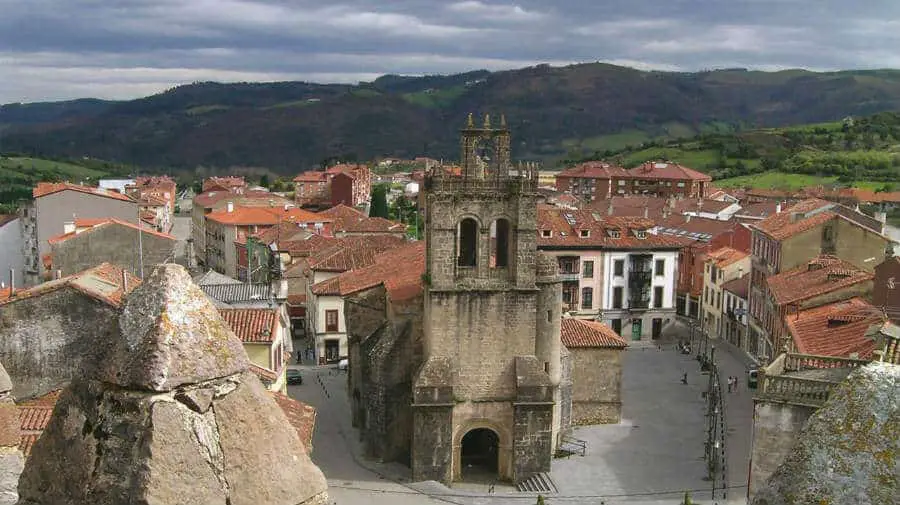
x,y
61,49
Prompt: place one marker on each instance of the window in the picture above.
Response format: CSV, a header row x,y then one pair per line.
x,y
549,316
546,233
660,267
617,297
719,300
331,320
587,298
657,297
614,233
467,245
712,274
619,268
588,269
680,184
617,326
621,183
585,233
641,234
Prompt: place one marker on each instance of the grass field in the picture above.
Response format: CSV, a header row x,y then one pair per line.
x,y
67,171
778,180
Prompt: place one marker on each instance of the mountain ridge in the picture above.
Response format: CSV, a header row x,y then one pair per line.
x,y
553,112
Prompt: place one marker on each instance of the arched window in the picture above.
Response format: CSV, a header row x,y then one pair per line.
x,y
500,243
467,245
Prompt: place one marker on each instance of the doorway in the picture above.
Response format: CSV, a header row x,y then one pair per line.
x,y
332,350
636,329
478,455
657,328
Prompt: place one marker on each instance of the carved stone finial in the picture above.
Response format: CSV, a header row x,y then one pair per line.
x,y
502,120
487,121
470,123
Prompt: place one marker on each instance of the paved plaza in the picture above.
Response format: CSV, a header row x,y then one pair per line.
x,y
651,458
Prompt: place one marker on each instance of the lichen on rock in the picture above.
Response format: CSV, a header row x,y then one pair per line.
x,y
849,451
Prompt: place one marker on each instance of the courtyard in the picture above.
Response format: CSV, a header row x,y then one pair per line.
x,y
652,457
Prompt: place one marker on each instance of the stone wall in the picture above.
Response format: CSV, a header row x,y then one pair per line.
x,y
565,392
11,459
775,429
113,243
45,340
596,385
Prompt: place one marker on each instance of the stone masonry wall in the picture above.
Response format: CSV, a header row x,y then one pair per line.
x,y
597,385
775,429
565,392
44,341
482,332
112,243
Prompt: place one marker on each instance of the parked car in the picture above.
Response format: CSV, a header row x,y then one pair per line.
x,y
344,364
294,376
752,379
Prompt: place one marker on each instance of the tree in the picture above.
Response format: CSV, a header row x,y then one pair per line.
x,y
264,180
379,206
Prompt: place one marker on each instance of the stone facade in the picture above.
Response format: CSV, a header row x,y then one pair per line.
x,y
775,428
596,385
115,243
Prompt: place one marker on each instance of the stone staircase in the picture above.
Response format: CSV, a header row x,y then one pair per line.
x,y
537,483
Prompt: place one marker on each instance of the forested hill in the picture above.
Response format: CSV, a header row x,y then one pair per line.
x,y
554,113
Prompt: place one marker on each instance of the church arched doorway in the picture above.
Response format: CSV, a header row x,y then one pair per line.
x,y
479,455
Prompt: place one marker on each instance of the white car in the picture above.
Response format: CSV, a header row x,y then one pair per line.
x,y
344,364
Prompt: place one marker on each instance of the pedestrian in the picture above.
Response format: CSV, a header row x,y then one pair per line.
x,y
734,388
299,357
684,378
729,383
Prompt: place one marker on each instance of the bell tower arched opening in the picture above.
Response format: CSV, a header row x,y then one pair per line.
x,y
467,243
500,230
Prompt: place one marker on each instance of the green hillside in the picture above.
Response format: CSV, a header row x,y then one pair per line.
x,y
18,175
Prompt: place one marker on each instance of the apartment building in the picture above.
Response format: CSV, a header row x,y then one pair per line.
x,y
720,266
613,269
56,204
596,180
793,238
734,313
347,184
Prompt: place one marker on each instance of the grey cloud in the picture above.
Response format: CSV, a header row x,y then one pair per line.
x,y
58,49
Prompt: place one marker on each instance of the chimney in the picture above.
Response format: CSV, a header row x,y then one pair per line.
x,y
229,207
69,227
646,212
687,218
740,272
609,210
57,274
778,208
287,206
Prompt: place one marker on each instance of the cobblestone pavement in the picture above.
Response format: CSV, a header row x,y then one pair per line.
x,y
651,458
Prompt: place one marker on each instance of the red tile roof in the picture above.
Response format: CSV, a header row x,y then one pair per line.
x,y
582,333
350,220
739,286
400,270
594,170
301,416
807,215
820,275
256,326
312,176
296,299
759,210
102,282
630,205
49,188
666,170
34,415
246,216
93,224
226,182
244,197
353,252
837,329
683,205
694,227
567,228
725,256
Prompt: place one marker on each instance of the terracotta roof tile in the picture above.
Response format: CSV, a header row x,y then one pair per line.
x,y
252,325
245,216
400,270
353,252
312,176
837,329
297,299
586,229
102,282
49,188
683,205
693,227
594,170
301,416
582,333
739,286
666,170
348,219
807,215
758,210
34,416
725,256
264,374
820,275
244,197
225,182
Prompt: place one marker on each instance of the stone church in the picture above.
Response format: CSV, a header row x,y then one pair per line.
x,y
463,380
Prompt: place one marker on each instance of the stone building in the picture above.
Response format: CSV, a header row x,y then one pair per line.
x,y
463,379
722,265
46,332
596,354
87,243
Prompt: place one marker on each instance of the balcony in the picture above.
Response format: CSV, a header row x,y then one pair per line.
x,y
566,275
569,268
638,305
804,379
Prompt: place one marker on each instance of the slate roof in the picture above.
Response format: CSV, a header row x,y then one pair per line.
x,y
809,214
582,333
49,188
666,170
739,287
693,227
102,282
820,275
566,226
234,293
837,329
253,326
